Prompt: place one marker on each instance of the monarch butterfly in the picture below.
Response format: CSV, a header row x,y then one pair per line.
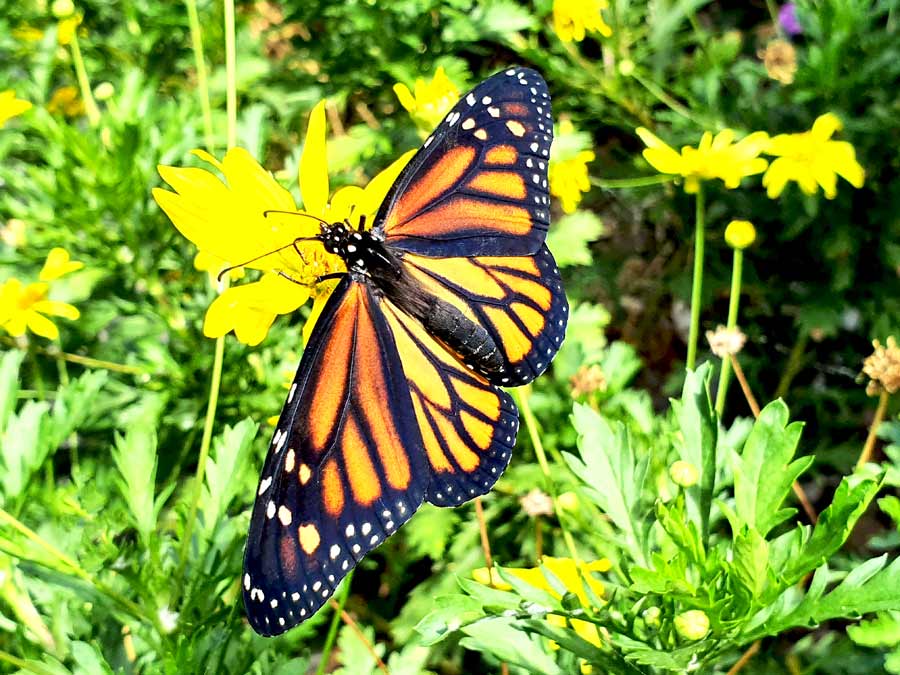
x,y
451,295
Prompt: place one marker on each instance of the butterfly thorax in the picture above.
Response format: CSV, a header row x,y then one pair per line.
x,y
362,251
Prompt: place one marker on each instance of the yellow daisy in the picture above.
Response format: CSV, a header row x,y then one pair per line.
x,y
812,159
714,157
429,101
572,19
226,220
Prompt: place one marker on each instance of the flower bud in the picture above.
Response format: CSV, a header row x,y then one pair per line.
x,y
104,90
568,501
740,234
651,616
684,474
626,67
62,8
692,624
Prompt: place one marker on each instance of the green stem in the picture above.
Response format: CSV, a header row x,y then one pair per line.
x,y
640,181
521,395
90,106
794,364
200,64
773,12
230,74
697,285
664,98
341,600
205,442
28,666
733,302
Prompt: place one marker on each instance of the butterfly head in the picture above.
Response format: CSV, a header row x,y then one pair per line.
x,y
361,250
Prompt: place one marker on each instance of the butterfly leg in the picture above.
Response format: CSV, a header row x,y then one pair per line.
x,y
328,277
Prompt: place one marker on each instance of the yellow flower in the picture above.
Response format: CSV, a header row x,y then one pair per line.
x,y
568,171
740,234
812,159
65,100
65,32
431,100
213,266
569,178
23,307
715,157
26,33
10,106
58,264
225,220
572,18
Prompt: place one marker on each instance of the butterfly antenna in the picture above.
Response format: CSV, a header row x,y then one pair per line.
x,y
294,213
259,257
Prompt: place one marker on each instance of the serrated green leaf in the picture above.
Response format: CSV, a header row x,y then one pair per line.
x,y
507,642
450,613
354,654
882,631
228,459
750,563
698,426
9,383
89,660
21,446
891,506
613,476
429,532
645,655
764,472
834,525
570,237
135,458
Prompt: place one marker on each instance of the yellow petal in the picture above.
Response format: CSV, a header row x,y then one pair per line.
x,y
375,192
57,308
41,325
323,292
58,264
342,204
775,179
405,96
825,126
314,164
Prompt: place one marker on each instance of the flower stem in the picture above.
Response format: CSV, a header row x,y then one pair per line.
x,y
733,303
90,106
640,181
521,395
485,542
230,74
869,446
200,64
697,286
26,666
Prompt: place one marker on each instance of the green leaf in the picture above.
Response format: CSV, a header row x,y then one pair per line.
x,y
882,631
228,461
645,655
835,523
613,475
449,614
505,640
429,532
354,654
135,457
9,383
21,447
89,660
764,472
750,563
699,428
570,237
891,506
870,587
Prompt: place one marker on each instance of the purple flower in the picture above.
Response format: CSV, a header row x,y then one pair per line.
x,y
787,17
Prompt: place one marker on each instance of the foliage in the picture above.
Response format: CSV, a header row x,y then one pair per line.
x,y
121,538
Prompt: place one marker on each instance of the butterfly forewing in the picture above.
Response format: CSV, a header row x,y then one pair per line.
x,y
344,471
478,186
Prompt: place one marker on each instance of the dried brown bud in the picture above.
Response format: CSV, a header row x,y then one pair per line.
x,y
537,503
780,60
587,380
883,368
726,341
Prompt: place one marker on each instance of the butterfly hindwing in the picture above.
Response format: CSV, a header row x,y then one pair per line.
x,y
478,186
344,470
467,425
505,316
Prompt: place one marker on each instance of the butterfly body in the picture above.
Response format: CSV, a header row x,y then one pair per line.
x,y
451,295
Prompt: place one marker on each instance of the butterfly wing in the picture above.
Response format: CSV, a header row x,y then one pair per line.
x,y
467,425
478,185
344,471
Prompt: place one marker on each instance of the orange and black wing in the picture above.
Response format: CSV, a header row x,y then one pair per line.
x,y
344,471
504,316
467,425
478,186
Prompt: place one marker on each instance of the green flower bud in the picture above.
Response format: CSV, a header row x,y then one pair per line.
x,y
692,624
651,616
684,474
